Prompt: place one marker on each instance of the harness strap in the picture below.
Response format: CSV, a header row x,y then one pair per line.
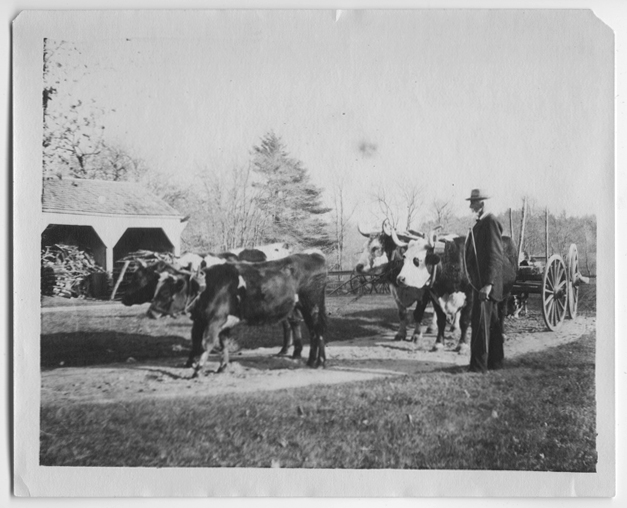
x,y
433,276
202,286
470,234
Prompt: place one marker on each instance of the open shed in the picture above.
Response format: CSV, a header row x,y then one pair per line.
x,y
110,219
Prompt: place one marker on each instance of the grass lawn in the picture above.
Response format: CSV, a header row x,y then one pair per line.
x,y
537,414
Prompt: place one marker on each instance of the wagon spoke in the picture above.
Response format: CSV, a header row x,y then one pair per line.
x,y
561,306
552,313
550,302
549,279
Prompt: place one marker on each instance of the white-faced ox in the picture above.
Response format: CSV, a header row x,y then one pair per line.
x,y
384,257
252,294
444,276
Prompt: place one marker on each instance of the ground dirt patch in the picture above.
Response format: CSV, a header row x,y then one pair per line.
x,y
361,348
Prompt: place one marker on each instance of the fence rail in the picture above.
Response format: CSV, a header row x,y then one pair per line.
x,y
351,283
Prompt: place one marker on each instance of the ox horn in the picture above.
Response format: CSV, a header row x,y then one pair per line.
x,y
367,235
386,227
433,236
397,241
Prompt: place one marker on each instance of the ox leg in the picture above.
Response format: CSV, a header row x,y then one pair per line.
x,y
419,313
287,338
315,316
210,339
439,340
455,323
402,317
464,322
433,324
294,322
224,361
223,333
320,326
198,327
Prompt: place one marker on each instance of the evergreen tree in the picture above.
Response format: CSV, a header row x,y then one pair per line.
x,y
291,203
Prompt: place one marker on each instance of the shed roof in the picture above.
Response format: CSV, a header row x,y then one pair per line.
x,y
100,197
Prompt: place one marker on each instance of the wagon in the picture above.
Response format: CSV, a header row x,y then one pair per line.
x,y
555,280
352,282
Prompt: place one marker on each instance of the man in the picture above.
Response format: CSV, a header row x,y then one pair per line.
x,y
484,261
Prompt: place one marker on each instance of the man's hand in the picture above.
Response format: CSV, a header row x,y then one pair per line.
x,y
484,292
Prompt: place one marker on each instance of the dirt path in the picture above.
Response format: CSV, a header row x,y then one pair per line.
x,y
258,369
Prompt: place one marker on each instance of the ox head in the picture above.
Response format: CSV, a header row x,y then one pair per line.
x,y
142,287
383,247
377,249
419,262
176,292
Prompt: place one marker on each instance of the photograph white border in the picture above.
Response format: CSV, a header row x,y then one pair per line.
x,y
34,480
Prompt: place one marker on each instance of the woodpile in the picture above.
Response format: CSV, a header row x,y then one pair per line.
x,y
66,271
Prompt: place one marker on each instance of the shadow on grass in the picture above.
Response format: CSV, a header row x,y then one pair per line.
x,y
82,349
572,355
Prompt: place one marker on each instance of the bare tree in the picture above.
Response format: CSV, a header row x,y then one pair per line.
x,y
403,201
341,215
233,218
387,205
412,197
442,213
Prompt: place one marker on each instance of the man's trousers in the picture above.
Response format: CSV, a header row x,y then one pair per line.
x,y
484,356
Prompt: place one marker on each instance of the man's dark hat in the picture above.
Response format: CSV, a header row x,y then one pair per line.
x,y
476,195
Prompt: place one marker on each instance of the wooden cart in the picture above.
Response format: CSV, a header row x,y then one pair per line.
x,y
555,280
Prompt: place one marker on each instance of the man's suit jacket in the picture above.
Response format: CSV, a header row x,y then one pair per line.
x,y
488,242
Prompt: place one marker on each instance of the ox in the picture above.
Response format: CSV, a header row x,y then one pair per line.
x,y
145,279
444,275
382,256
250,293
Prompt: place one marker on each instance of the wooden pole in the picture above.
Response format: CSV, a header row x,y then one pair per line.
x,y
546,232
522,227
117,284
511,226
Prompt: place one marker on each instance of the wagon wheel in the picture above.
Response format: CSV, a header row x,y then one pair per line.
x,y
356,282
369,288
554,292
573,288
380,287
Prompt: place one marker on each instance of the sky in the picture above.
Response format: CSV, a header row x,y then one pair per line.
x,y
518,103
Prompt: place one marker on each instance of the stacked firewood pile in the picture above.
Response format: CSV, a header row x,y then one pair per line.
x,y
66,270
